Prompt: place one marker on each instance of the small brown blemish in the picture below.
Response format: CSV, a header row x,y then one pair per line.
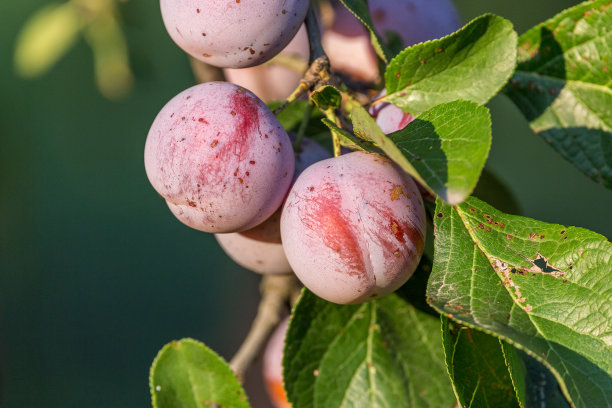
x,y
214,143
396,192
252,162
191,203
233,113
206,55
440,215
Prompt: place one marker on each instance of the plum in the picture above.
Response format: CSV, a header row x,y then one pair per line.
x,y
219,158
274,81
309,153
273,366
347,42
389,117
257,256
233,33
353,227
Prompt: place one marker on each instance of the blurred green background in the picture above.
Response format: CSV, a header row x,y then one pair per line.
x,y
96,275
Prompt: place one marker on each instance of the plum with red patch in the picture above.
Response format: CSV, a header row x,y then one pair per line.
x,y
308,153
230,33
353,227
219,158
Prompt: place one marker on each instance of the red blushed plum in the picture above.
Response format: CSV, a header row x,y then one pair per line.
x,y
353,227
347,42
219,157
309,153
273,366
257,256
275,80
389,117
231,33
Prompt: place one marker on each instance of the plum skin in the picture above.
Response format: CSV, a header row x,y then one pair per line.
x,y
389,117
219,158
273,366
230,33
353,227
257,256
273,82
309,153
347,42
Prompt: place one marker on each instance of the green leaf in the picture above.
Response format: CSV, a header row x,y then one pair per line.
x,y
472,64
477,368
535,386
326,98
45,38
445,148
359,8
544,287
187,374
384,353
563,86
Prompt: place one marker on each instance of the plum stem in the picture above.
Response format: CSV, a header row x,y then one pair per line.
x,y
318,70
302,128
276,291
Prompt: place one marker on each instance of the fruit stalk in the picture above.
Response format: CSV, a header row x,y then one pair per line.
x,y
276,291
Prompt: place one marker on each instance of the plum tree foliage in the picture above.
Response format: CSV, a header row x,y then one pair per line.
x,y
387,237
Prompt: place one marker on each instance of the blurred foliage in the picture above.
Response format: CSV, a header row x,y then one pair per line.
x,y
52,30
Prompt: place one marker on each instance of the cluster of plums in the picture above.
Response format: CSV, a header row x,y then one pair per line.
x,y
352,227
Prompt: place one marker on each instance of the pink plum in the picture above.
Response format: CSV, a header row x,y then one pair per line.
x,y
347,42
353,227
309,153
273,366
219,158
257,256
274,81
389,117
233,33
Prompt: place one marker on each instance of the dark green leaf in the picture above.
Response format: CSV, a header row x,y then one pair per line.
x,y
563,85
327,97
472,64
445,148
476,366
360,9
187,374
544,287
384,353
535,385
